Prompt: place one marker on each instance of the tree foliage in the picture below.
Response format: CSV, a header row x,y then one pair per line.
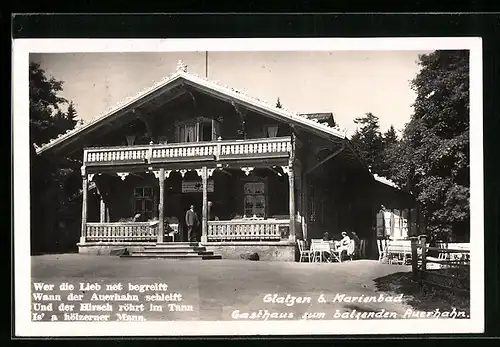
x,y
432,158
53,180
368,142
47,119
389,138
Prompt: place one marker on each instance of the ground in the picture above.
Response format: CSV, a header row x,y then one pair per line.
x,y
215,289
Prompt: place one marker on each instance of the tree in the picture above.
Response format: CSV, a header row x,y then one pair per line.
x,y
278,104
389,138
432,158
50,191
44,101
367,141
64,121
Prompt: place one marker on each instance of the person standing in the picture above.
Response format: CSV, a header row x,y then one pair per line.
x,y
191,223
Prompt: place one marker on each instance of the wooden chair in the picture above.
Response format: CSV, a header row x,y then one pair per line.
x,y
304,253
335,252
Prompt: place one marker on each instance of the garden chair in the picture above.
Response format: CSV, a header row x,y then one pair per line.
x,y
303,252
382,250
335,252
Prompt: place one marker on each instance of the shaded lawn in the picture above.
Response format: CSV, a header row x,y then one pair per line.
x,y
423,296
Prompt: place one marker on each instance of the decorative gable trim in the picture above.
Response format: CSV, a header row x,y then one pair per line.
x,y
211,87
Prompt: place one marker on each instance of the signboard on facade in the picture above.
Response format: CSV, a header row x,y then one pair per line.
x,y
197,186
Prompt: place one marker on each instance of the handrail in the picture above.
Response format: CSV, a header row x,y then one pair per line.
x,y
152,223
249,221
193,144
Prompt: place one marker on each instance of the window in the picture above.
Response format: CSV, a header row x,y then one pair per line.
x,y
201,129
255,199
144,203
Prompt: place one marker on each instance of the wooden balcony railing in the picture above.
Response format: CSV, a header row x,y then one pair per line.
x,y
214,150
122,231
241,230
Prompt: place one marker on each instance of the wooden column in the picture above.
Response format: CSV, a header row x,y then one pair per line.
x,y
291,184
161,178
205,205
84,204
305,206
102,207
102,210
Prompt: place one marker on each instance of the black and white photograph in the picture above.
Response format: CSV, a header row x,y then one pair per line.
x,y
248,186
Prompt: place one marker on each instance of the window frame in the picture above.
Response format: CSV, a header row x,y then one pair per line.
x,y
141,199
255,196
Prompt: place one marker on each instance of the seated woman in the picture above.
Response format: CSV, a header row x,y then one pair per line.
x,y
344,243
345,239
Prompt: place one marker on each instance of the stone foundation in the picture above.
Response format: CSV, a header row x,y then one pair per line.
x,y
275,251
111,248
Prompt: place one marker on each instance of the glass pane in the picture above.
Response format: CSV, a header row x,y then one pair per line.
x,y
138,192
138,206
148,191
249,188
260,201
249,201
190,133
148,205
259,188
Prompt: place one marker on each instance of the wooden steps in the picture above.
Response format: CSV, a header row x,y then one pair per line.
x,y
174,250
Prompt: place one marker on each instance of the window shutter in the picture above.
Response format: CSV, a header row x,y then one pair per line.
x,y
182,133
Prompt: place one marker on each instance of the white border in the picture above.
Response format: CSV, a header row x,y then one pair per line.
x,y
25,327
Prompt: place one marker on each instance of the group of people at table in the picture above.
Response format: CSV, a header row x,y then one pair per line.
x,y
328,249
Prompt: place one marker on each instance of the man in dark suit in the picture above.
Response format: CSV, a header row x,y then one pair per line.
x,y
192,223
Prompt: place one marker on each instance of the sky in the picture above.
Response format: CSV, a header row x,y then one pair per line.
x,y
347,83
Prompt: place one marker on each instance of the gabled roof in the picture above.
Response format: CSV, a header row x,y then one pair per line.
x,y
182,76
319,123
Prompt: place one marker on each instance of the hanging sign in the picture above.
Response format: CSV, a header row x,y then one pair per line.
x,y
196,186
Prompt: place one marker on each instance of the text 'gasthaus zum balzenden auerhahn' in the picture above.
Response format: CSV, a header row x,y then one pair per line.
x,y
95,302
287,306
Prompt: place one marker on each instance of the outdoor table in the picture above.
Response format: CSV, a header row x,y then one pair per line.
x,y
323,248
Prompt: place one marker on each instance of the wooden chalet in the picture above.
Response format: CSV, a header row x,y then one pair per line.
x,y
259,176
